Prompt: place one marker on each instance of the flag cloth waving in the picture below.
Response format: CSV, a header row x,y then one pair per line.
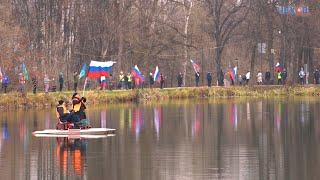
x,y
25,72
156,75
136,73
98,69
196,66
83,71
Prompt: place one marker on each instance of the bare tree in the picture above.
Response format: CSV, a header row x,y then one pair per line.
x,y
225,17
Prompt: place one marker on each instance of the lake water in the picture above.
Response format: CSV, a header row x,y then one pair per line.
x,y
216,139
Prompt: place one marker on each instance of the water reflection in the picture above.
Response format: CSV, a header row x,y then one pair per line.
x,y
157,120
196,122
137,121
218,139
71,154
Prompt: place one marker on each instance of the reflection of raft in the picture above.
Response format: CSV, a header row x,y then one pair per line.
x,y
74,132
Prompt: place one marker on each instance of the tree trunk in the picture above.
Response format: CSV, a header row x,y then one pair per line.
x,y
252,61
220,76
187,11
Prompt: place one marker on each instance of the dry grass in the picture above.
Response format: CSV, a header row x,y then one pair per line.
x,y
16,100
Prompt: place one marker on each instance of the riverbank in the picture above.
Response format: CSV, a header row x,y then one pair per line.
x,y
42,100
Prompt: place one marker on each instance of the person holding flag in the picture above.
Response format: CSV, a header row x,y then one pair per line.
x,y
97,69
196,69
157,75
197,76
138,76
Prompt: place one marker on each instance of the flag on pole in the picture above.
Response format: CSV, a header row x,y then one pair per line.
x,y
278,67
195,66
232,74
98,69
156,75
25,71
83,71
235,71
136,73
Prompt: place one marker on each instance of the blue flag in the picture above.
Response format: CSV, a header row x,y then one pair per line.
x,y
83,71
25,72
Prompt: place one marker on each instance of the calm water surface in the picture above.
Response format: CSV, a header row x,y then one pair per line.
x,y
216,139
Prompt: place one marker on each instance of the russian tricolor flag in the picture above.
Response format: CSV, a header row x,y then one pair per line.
x,y
136,73
156,75
98,69
195,66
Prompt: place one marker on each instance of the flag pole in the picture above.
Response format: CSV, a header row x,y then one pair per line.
x,y
84,86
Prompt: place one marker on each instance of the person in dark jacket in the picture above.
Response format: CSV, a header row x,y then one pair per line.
x,y
79,106
161,81
284,76
221,78
316,75
197,76
209,79
5,83
75,81
180,79
267,77
126,81
61,81
151,80
34,84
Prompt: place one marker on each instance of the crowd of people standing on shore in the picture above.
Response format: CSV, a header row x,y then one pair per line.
x,y
127,80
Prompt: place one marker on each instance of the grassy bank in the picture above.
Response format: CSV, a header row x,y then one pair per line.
x,y
16,100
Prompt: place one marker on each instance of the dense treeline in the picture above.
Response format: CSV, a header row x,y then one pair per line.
x,y
53,36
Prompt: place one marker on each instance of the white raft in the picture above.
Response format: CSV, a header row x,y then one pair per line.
x,y
73,132
86,136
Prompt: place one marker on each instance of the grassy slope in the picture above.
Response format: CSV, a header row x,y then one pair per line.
x,y
15,100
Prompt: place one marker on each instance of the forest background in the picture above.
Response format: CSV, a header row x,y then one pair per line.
x,y
53,36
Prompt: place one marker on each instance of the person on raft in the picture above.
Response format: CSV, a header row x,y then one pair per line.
x,y
65,113
79,106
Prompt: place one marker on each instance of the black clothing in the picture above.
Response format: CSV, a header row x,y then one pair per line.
x,y
209,79
75,82
126,79
284,76
81,113
180,80
197,75
61,81
221,78
267,77
34,84
151,80
161,81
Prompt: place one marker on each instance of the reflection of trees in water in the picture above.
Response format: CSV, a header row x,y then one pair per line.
x,y
71,153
